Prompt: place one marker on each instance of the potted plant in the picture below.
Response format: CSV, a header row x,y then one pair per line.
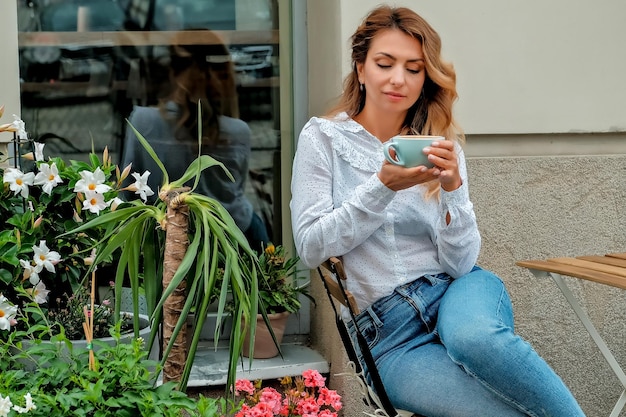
x,y
181,268
171,248
40,199
279,292
54,379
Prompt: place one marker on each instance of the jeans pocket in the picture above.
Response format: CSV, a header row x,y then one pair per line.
x,y
442,278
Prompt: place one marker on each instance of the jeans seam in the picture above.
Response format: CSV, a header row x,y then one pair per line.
x,y
495,391
484,382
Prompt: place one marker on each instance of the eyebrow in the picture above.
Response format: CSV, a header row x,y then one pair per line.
x,y
394,58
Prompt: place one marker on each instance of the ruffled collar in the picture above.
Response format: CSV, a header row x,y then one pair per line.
x,y
353,143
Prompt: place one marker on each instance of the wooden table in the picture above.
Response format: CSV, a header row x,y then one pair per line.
x,y
609,269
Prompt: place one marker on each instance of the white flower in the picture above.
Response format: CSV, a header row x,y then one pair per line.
x,y
91,181
141,184
20,127
45,258
30,405
5,406
94,202
39,151
29,272
39,293
18,181
115,202
48,177
7,315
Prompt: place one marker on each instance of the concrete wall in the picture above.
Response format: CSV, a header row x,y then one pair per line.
x,y
542,100
9,73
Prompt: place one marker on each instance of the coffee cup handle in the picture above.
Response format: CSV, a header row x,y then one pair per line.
x,y
398,160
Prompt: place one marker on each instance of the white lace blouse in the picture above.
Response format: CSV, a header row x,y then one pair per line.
x,y
339,207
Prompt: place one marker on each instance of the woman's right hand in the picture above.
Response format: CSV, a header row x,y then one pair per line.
x,y
399,178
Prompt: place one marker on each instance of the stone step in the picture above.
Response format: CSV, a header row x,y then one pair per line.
x,y
211,365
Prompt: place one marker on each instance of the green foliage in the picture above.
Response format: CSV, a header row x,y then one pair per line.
x,y
121,385
217,248
52,199
279,289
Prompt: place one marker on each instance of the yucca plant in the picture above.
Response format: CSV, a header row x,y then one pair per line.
x,y
180,245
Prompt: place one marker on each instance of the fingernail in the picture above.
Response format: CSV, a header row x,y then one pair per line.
x,y
426,149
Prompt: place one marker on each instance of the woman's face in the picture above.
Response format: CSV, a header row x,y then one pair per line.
x,y
393,72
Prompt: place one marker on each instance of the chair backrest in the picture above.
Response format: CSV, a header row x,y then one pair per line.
x,y
334,277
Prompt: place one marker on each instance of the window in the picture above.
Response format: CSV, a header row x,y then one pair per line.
x,y
86,64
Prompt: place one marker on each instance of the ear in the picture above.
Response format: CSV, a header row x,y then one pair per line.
x,y
359,72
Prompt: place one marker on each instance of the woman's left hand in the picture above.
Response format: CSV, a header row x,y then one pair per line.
x,y
442,154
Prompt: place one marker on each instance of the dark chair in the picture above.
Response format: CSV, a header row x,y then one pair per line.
x,y
334,278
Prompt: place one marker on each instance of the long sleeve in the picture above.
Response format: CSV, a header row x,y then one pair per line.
x,y
320,229
458,243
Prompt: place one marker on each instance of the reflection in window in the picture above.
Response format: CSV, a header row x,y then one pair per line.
x,y
85,64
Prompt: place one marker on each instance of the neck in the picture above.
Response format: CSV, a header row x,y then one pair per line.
x,y
383,126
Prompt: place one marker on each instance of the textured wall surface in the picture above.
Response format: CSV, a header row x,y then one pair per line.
x,y
531,208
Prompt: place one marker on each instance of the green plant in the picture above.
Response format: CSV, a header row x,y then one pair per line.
x,y
181,270
172,249
70,315
52,378
41,198
278,287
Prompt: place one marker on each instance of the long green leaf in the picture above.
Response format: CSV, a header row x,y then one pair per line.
x,y
151,152
197,166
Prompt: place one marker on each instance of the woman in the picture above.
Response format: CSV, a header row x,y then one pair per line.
x,y
408,236
205,74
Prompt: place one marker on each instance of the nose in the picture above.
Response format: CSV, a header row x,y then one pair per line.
x,y
397,76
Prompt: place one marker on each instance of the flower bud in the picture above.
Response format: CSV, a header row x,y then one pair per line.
x,y
125,173
106,161
37,222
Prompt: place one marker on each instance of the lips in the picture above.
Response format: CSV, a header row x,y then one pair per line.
x,y
394,96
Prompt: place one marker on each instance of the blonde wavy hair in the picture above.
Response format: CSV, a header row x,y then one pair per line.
x,y
432,112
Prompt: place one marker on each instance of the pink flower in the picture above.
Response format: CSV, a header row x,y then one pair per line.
x,y
261,410
329,397
243,385
244,410
313,378
272,398
303,396
307,406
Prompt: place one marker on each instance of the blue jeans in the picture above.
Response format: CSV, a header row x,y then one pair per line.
x,y
446,347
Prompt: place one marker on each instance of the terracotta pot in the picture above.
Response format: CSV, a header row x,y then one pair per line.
x,y
264,346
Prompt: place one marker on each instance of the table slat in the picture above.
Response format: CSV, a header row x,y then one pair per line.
x,y
595,266
617,255
576,272
604,260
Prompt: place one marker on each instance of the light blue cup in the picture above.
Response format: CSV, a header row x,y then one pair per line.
x,y
408,150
